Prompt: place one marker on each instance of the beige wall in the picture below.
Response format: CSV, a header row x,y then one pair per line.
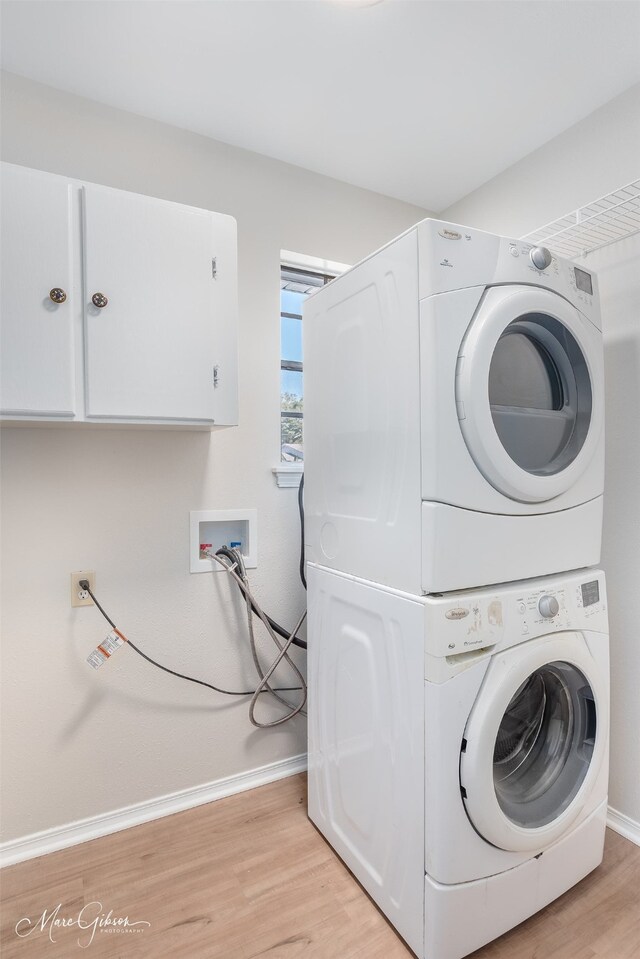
x,y
618,269
590,159
78,743
597,155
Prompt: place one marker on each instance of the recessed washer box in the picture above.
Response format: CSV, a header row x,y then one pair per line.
x,y
222,527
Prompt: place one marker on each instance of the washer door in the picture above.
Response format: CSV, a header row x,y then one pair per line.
x,y
529,386
534,742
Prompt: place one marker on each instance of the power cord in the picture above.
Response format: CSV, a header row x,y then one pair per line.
x,y
275,626
303,578
232,562
264,685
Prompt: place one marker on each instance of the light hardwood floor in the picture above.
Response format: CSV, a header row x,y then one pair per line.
x,y
250,877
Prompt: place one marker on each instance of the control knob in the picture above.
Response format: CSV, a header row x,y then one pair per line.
x,y
548,606
540,257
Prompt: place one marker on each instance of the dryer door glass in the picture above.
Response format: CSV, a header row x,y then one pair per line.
x,y
544,745
540,394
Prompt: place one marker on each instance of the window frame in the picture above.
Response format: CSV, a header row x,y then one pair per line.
x,y
288,473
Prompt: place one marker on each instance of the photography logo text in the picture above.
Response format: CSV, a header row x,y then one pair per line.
x,y
91,919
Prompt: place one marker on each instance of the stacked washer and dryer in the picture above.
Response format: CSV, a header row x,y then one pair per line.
x,y
458,635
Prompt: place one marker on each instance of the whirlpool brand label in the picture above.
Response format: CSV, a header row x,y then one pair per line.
x,y
459,612
450,234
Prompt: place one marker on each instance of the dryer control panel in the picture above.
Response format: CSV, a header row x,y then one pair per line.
x,y
505,615
563,275
453,257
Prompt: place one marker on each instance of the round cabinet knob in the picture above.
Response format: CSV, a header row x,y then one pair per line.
x,y
540,257
548,606
57,295
99,300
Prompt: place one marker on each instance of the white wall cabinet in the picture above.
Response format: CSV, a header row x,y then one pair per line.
x,y
37,335
144,329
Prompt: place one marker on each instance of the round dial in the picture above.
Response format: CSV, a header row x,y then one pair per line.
x,y
548,606
540,257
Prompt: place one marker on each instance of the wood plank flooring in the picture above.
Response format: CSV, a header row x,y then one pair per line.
x,y
249,877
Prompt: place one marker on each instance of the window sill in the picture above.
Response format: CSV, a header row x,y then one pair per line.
x,y
288,475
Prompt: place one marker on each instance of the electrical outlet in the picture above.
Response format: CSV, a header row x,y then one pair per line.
x,y
80,597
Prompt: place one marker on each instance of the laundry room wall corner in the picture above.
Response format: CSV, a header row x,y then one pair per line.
x,y
590,159
618,269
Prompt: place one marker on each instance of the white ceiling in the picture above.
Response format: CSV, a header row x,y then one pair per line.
x,y
417,99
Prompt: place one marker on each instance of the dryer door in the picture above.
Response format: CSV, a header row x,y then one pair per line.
x,y
534,742
529,392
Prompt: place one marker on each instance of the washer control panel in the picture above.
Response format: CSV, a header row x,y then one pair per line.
x,y
542,609
548,606
502,616
573,601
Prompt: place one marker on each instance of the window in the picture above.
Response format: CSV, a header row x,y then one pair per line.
x,y
295,286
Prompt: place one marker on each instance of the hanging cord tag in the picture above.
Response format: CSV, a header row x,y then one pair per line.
x,y
113,641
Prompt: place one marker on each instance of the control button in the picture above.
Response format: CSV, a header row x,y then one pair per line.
x,y
522,608
548,606
513,251
540,257
525,628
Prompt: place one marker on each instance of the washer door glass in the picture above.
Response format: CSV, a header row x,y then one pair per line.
x,y
544,745
540,394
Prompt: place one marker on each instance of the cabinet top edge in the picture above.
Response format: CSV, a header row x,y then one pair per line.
x,y
79,184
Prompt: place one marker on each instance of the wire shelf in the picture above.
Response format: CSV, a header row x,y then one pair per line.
x,y
605,221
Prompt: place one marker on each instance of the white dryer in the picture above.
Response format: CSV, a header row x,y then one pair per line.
x,y
458,747
454,406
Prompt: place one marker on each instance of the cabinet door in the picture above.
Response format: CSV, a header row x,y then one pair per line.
x,y
37,365
151,350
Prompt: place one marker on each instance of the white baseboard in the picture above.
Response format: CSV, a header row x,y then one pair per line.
x,y
50,840
60,837
627,827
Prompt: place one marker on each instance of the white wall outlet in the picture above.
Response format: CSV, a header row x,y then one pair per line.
x,y
80,597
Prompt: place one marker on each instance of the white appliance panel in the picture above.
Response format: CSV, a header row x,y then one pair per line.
x,y
509,614
474,257
462,548
492,906
366,739
362,450
453,257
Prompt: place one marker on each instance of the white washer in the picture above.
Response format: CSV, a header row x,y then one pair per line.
x,y
458,747
454,407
